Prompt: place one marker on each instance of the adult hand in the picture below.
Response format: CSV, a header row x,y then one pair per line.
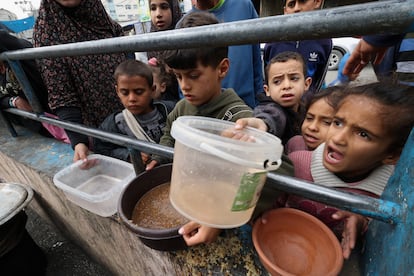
x,y
361,56
195,233
354,226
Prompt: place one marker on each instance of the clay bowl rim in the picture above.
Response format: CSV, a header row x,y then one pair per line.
x,y
143,232
330,235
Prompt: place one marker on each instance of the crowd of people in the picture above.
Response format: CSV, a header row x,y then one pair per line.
x,y
344,137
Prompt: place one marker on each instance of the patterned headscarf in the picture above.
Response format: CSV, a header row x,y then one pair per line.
x,y
85,82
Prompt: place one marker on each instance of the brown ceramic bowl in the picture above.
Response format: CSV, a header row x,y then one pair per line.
x,y
293,242
159,239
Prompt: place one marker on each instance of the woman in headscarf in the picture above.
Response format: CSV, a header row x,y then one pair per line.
x,y
80,88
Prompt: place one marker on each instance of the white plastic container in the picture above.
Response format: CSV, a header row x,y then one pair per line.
x,y
96,189
217,180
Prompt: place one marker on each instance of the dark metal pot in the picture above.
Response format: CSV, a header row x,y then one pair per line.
x,y
159,239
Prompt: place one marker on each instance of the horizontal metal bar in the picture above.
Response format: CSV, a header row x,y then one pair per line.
x,y
394,16
94,132
375,208
387,211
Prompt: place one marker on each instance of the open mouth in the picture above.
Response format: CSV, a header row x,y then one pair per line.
x,y
333,156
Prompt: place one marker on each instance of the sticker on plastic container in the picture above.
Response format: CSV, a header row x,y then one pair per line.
x,y
251,185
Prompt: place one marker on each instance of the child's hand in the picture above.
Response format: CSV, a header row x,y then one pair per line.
x,y
195,233
81,153
151,165
251,122
354,227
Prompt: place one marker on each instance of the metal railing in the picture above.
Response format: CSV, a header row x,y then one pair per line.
x,y
392,17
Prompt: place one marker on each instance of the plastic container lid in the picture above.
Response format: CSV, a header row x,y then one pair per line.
x,y
13,198
206,135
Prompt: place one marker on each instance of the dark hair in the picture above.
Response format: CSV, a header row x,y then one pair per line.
x,y
132,67
284,57
332,95
397,115
189,58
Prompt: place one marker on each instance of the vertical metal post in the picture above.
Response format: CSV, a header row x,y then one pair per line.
x,y
25,85
389,248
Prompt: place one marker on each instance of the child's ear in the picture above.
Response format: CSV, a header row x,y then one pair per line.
x,y
163,87
266,90
318,4
308,82
392,158
223,67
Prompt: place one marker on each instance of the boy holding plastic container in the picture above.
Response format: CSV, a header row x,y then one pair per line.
x,y
199,73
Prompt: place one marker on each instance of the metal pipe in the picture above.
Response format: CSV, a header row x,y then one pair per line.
x,y
394,16
387,211
107,136
376,208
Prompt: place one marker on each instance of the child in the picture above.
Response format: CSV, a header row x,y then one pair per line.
x,y
164,16
166,87
369,129
199,72
315,52
286,82
142,117
318,118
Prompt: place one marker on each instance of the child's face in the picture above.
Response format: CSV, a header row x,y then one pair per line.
x,y
294,6
315,127
135,94
357,142
161,15
203,83
287,84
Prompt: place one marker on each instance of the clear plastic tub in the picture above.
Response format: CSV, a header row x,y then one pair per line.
x,y
217,180
98,188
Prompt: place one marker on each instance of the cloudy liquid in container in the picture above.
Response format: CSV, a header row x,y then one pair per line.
x,y
208,203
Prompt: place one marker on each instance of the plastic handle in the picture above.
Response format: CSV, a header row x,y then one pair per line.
x,y
266,165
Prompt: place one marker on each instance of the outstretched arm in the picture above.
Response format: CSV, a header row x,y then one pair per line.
x,y
354,227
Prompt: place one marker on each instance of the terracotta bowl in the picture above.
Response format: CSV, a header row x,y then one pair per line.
x,y
293,242
159,239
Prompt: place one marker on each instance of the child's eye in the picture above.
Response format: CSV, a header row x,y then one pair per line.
x,y
153,7
276,82
294,78
337,123
124,92
165,6
194,76
139,91
309,118
364,135
327,122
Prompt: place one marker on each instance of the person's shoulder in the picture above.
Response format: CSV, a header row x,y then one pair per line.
x,y
111,120
301,159
164,105
296,143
